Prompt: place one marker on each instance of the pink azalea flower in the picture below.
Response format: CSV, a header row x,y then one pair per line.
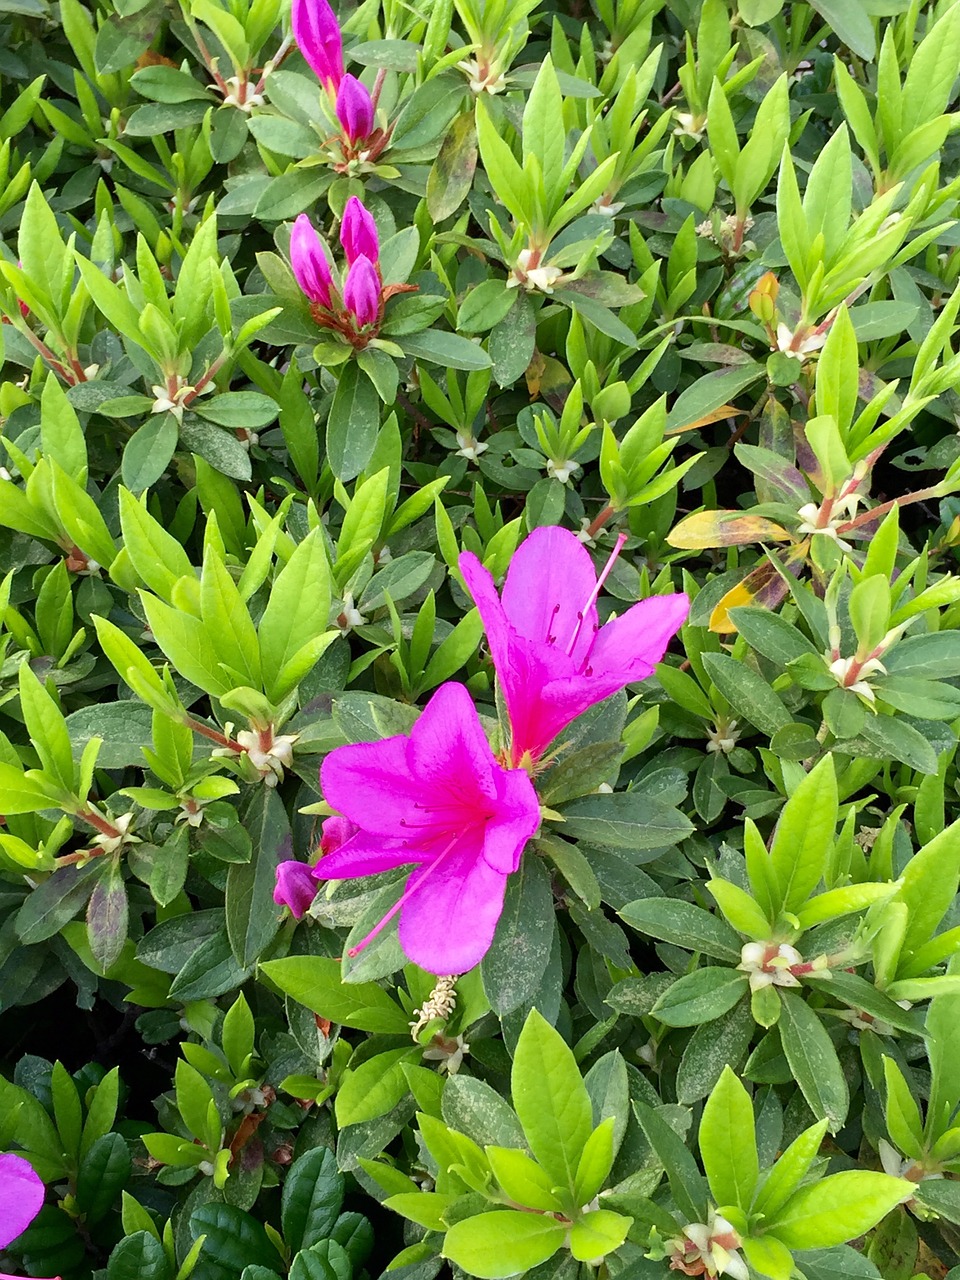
x,y
317,32
358,233
21,1199
354,110
553,659
361,291
437,798
309,262
296,887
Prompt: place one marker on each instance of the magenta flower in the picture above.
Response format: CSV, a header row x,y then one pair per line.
x,y
354,110
361,290
309,262
440,799
296,887
21,1198
358,233
552,658
317,32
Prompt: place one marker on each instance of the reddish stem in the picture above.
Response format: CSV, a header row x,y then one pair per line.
x,y
597,523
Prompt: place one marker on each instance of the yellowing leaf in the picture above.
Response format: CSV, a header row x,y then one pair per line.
x,y
725,529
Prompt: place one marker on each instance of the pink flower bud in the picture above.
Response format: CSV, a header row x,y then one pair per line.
x,y
296,887
361,292
358,233
317,32
336,832
354,109
309,261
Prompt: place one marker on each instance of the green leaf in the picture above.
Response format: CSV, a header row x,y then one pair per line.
x,y
522,1180
148,452
295,617
234,1240
108,915
713,1046
247,409
804,836
790,1170
374,1087
838,1208
450,179
710,393
123,727
851,22
353,423
550,1099
595,1162
227,622
139,1256
683,924
447,349
188,644
48,730
66,1109
253,918
928,886
814,1063
686,1184
315,982
27,792
748,694
60,432
728,1144
520,950
103,1174
942,1035
472,1107
625,820
902,1112
55,901
503,1243
543,136
886,736
700,996
598,1233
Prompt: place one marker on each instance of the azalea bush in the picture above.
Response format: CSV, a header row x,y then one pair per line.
x,y
479,639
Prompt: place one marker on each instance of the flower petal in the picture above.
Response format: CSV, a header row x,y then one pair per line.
x,y
371,784
550,579
629,647
21,1197
449,751
366,854
448,924
516,822
481,586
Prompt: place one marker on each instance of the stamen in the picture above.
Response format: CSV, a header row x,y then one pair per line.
x,y
413,884
592,598
552,639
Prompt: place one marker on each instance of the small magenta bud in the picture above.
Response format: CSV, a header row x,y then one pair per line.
x,y
317,33
354,110
358,233
361,292
309,261
296,888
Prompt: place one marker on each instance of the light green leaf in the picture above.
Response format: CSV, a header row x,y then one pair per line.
x,y
728,1144
551,1099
